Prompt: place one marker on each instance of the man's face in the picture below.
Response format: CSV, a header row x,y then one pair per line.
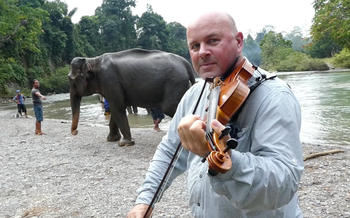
x,y
213,47
36,84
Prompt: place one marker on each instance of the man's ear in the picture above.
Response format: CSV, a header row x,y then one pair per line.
x,y
239,38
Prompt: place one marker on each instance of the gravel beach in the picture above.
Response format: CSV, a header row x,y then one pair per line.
x,y
61,175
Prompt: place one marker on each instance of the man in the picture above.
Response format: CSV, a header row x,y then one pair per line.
x,y
157,116
38,107
106,106
19,99
267,163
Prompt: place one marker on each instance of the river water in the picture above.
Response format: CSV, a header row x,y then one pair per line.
x,y
324,98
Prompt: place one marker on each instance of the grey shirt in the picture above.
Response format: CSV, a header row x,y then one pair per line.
x,y
36,99
266,165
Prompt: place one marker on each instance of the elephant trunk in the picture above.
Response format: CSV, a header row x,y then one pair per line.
x,y
75,105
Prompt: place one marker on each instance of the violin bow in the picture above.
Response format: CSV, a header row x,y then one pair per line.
x,y
171,166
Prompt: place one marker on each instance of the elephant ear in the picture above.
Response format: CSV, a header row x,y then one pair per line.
x,y
85,66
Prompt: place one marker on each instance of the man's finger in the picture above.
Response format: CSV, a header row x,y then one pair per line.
x,y
217,126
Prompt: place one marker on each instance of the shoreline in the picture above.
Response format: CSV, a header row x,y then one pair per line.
x,y
61,175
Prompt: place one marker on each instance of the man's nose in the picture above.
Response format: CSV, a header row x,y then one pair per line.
x,y
204,51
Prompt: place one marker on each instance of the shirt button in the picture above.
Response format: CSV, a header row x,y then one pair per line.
x,y
198,204
200,176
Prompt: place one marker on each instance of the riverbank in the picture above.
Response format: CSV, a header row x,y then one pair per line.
x,y
60,175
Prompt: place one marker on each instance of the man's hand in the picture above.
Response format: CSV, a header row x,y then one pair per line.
x,y
139,211
192,134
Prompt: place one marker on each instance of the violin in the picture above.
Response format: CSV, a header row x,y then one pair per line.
x,y
226,98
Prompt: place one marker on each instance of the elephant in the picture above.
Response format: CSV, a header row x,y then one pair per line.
x,y
133,77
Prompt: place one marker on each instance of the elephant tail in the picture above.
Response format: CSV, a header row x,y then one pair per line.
x,y
190,72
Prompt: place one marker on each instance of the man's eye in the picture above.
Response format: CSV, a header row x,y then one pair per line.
x,y
195,47
213,40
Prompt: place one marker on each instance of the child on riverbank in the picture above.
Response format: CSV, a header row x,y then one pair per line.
x,y
19,99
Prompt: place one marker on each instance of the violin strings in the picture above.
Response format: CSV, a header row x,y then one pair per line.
x,y
210,139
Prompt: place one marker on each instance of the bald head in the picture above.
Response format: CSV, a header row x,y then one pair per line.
x,y
216,17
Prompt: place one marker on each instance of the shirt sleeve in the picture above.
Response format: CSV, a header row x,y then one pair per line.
x,y
267,177
163,155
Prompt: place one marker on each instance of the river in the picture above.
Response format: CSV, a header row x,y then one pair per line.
x,y
325,104
323,97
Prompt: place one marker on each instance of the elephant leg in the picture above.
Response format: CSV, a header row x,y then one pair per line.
x,y
114,134
134,108
128,108
124,127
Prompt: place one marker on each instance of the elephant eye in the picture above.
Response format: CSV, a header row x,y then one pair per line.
x,y
80,70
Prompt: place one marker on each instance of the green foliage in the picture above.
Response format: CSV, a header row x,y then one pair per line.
x,y
152,31
323,47
57,82
87,37
342,59
116,25
296,37
332,18
56,32
37,37
297,61
7,74
177,40
274,49
35,73
20,28
19,74
252,50
278,55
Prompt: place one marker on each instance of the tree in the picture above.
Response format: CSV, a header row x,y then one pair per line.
x,y
178,40
260,35
117,25
57,31
274,49
252,50
20,27
332,17
297,39
20,31
324,47
152,31
87,37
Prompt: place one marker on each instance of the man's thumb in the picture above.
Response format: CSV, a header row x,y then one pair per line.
x,y
217,126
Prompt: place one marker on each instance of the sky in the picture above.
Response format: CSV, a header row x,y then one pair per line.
x,y
251,16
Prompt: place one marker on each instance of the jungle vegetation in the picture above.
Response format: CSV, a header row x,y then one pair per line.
x,y
38,40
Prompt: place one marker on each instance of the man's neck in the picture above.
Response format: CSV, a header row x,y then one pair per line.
x,y
230,69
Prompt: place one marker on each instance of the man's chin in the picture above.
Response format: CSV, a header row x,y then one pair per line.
x,y
207,75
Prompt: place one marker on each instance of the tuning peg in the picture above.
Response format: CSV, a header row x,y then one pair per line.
x,y
231,144
225,132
